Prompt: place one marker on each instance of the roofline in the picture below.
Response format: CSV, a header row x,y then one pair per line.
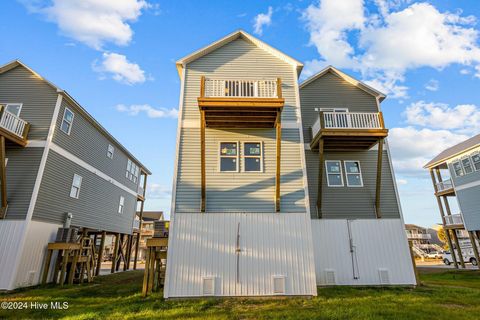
x,y
361,85
15,63
443,160
229,38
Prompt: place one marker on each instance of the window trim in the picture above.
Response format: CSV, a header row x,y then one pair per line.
x,y
132,170
461,167
473,162
341,173
63,119
121,205
7,103
79,187
219,156
108,151
360,173
244,156
469,161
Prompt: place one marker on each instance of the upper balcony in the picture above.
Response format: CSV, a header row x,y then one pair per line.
x,y
454,221
13,127
348,131
240,103
419,236
445,188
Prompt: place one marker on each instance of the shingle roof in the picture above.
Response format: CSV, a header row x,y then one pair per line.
x,y
453,151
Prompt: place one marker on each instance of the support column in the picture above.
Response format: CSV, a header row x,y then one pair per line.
x,y
100,253
202,160
137,244
455,237
475,248
115,252
3,178
320,177
379,178
278,129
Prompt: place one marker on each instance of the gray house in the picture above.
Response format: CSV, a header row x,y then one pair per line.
x,y
460,165
244,204
56,159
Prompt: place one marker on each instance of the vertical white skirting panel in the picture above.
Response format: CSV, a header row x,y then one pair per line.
x,y
204,246
11,233
379,244
30,269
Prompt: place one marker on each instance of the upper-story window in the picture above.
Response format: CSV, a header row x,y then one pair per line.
x,y
334,173
467,165
76,184
67,121
353,173
121,204
228,154
110,151
132,171
476,161
252,157
13,108
457,168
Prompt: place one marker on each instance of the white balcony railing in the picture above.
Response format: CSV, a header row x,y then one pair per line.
x,y
12,123
419,236
220,88
444,185
136,224
140,191
348,120
454,219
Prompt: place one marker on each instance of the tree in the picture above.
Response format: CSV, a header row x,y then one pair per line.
x,y
442,236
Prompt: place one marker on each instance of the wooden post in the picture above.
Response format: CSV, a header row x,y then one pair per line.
x,y
475,248
379,178
73,266
279,88
146,273
455,237
202,160
100,253
320,176
137,244
417,278
278,129
64,266
115,250
202,86
3,178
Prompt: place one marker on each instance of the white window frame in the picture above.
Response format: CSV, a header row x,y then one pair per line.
x,y
9,103
347,173
121,205
461,167
255,157
63,119
471,165
473,162
341,173
78,188
132,171
219,156
110,151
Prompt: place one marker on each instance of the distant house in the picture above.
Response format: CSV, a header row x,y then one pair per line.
x,y
421,239
56,159
455,174
147,229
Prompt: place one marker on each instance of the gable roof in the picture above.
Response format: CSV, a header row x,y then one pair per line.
x,y
239,34
454,151
16,63
361,85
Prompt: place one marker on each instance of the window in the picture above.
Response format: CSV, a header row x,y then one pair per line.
x,y
252,153
67,121
228,157
353,174
121,205
132,171
476,161
334,173
76,184
457,168
110,151
467,165
13,108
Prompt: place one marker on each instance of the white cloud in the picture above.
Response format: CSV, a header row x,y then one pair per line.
x,y
92,22
158,191
120,69
262,20
312,67
151,112
432,85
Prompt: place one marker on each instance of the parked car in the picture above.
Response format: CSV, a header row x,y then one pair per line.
x,y
434,255
468,257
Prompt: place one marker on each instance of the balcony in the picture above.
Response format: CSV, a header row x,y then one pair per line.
x,y
454,221
419,236
140,192
347,131
445,188
136,224
13,127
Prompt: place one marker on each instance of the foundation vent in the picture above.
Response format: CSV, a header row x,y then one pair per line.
x,y
208,288
278,284
384,276
330,277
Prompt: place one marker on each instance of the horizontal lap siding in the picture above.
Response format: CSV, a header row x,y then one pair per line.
x,y
89,144
469,201
97,206
38,98
21,170
353,202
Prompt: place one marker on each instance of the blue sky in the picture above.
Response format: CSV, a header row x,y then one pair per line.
x,y
116,57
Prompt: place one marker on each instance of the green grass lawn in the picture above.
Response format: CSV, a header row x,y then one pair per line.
x,y
444,295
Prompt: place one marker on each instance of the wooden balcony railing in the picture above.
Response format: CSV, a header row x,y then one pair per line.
x,y
444,185
348,120
235,88
454,219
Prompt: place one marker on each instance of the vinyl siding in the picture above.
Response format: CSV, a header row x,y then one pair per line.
x,y
353,202
90,145
97,206
470,206
38,98
21,170
468,178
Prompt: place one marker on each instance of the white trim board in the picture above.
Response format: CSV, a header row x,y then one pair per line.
x,y
36,144
467,185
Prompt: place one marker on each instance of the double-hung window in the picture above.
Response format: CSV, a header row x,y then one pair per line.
x,y
132,171
76,184
121,204
353,173
228,154
476,161
334,173
457,168
467,165
252,154
110,151
67,121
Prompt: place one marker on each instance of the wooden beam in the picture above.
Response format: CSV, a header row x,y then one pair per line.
x,y
278,130
267,103
100,253
202,161
320,178
3,178
454,232
279,88
475,248
379,179
240,125
115,251
202,87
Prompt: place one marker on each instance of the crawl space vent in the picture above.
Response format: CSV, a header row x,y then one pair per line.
x,y
278,284
208,286
384,276
330,278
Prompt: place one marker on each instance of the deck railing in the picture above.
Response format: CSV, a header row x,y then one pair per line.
x,y
12,123
454,219
140,191
136,224
234,88
348,120
444,185
419,236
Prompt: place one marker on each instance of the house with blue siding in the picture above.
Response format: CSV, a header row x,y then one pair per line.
x,y
57,163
